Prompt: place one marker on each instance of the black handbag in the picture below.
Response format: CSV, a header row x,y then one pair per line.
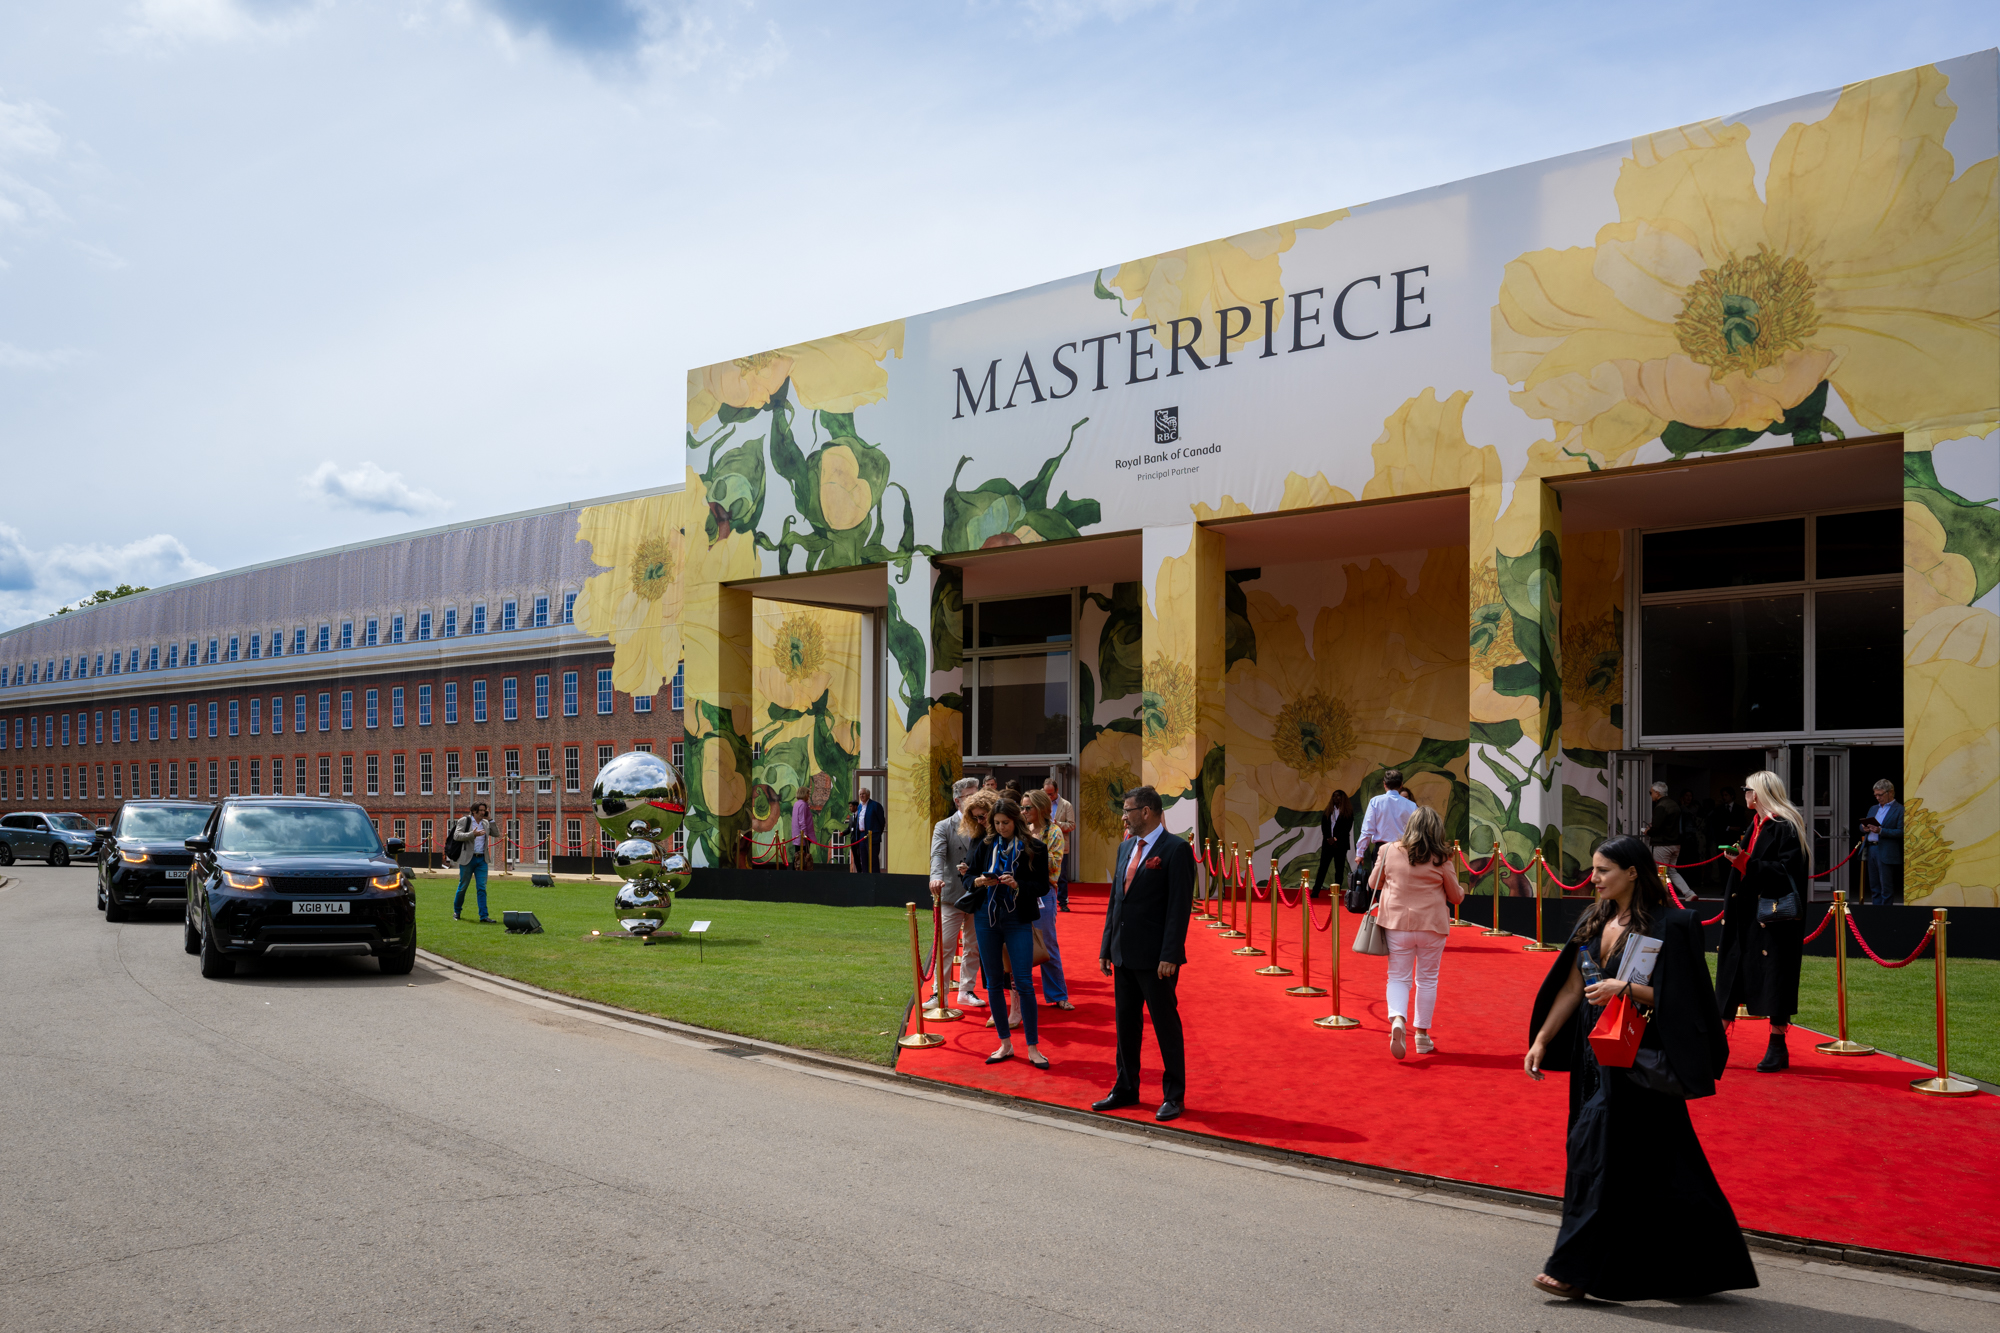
x,y
1355,899
1650,1070
1785,907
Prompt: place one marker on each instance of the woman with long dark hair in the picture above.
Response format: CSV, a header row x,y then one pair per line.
x,y
1637,1178
1758,963
1336,826
1008,872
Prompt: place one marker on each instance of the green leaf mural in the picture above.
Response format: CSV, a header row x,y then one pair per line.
x,y
907,647
735,485
1119,661
1240,637
1971,527
1585,822
1806,423
994,512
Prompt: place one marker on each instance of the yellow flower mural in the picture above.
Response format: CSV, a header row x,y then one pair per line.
x,y
836,374
926,761
1868,264
803,652
1237,273
637,604
1110,767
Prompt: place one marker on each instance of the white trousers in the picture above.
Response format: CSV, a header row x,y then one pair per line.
x,y
958,925
1414,956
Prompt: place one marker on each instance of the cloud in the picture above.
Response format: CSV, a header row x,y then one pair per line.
x,y
588,27
369,488
220,20
1050,18
34,583
23,358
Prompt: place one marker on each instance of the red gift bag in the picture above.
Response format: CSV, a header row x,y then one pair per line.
x,y
1615,1039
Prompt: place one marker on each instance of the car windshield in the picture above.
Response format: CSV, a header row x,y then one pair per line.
x,y
297,830
76,823
167,823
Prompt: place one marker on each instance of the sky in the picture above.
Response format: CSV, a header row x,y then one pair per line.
x,y
277,275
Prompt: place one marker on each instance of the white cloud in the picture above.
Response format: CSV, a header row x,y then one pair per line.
x,y
24,358
219,20
370,488
34,583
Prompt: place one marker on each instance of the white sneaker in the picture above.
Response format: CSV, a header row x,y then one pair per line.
x,y
967,1000
1425,1045
1397,1038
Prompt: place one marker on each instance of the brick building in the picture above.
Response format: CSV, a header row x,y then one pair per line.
x,y
409,674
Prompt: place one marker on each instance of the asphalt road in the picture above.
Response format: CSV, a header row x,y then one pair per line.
x,y
314,1146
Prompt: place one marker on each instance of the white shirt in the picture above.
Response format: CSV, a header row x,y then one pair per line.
x,y
1064,814
1388,815
1145,847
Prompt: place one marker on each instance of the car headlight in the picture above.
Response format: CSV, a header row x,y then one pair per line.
x,y
236,881
134,858
386,882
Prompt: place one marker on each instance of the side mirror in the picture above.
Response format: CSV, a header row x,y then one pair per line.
x,y
395,846
104,830
198,844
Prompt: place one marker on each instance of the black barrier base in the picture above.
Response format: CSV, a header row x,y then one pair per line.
x,y
825,888
1974,932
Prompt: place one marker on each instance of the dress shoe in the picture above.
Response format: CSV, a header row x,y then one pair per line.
x,y
1115,1101
1169,1111
1776,1057
999,1057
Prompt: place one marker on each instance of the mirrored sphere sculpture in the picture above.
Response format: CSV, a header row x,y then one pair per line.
x,y
640,803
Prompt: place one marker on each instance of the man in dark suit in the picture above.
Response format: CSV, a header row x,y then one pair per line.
x,y
1145,943
866,828
1883,864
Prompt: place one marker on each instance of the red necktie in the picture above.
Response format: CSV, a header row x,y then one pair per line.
x,y
1132,866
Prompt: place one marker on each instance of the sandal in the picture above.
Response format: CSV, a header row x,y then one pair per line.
x,y
1548,1286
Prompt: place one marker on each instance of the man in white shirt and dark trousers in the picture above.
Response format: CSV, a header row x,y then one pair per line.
x,y
470,832
1063,813
1388,814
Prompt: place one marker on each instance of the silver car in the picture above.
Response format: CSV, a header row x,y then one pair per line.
x,y
55,838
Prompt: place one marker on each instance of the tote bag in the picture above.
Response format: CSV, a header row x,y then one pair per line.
x,y
1369,937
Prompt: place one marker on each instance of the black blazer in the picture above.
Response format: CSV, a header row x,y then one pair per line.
x,y
1758,965
1147,924
1684,1025
1031,872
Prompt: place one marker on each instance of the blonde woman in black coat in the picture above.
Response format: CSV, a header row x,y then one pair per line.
x,y
1758,963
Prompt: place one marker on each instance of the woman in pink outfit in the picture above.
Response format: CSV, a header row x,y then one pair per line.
x,y
1419,885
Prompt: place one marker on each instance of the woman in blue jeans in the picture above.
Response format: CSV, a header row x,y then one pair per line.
x,y
1006,874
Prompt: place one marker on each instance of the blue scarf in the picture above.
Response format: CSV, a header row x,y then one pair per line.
x,y
1005,855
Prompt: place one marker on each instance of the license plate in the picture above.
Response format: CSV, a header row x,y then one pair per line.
x,y
175,874
319,909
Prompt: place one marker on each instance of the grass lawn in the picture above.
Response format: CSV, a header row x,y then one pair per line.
x,y
1896,1011
832,979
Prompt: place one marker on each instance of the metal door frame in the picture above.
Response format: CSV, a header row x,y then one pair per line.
x,y
1631,792
1826,814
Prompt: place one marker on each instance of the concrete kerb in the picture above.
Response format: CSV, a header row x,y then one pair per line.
x,y
1972,1281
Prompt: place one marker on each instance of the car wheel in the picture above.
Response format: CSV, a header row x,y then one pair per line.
x,y
100,895
215,965
398,962
58,854
190,935
112,910
6,854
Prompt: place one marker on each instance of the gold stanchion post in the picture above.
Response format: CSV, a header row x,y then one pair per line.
x,y
1202,911
1493,863
1305,987
1249,882
919,1038
1456,919
938,1011
1274,970
1541,867
1335,1021
1841,1045
1231,887
1942,1084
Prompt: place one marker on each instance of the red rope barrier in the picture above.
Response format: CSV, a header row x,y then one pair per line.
x,y
1584,883
1820,929
1284,901
1855,931
1838,864
1332,911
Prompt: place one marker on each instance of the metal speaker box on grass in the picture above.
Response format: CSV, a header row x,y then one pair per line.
x,y
521,923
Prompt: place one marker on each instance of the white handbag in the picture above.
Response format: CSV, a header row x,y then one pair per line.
x,y
1369,937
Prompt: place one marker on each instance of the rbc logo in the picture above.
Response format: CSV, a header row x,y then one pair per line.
x,y
1166,425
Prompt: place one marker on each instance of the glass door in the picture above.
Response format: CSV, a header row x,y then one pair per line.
x,y
1824,804
1631,792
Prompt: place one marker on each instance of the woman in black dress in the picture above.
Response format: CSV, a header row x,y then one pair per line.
x,y
1758,964
1637,1177
1336,825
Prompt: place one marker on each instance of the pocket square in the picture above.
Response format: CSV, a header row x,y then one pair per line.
x,y
1152,863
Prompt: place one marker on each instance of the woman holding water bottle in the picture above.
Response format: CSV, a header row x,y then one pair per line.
x,y
1636,1168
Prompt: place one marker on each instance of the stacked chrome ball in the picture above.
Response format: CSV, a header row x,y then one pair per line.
x,y
640,802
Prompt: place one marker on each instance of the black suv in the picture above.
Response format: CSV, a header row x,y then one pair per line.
x,y
142,859
297,875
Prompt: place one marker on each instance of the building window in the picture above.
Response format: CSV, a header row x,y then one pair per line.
x,y
347,710
642,703
402,827
396,629
132,722
572,762
97,728
299,713
510,699
374,775
604,753
482,770
256,716
423,626
65,728
277,643
277,774
569,694
424,829
507,615
604,695
573,831
478,701
424,773
371,709
678,750
277,715
541,696
680,685
213,713
325,775
214,653
117,783
396,706
451,778
542,765
256,651
235,710
299,640
512,760
325,712
174,779
450,702
235,777
213,788
398,775
423,705
153,723
371,629
451,622
569,608
347,775
299,772
541,611
479,617
153,657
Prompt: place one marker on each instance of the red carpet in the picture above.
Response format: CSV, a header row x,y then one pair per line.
x,y
1838,1149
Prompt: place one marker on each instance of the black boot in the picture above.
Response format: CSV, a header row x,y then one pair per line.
x,y
1776,1057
